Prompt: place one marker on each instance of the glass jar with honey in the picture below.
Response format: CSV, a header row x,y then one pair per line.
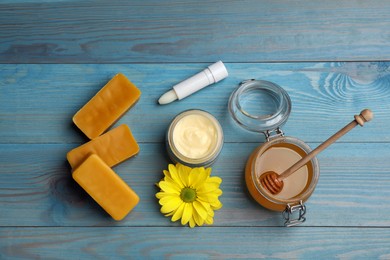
x,y
262,106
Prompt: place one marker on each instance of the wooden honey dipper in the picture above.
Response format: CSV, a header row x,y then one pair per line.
x,y
274,182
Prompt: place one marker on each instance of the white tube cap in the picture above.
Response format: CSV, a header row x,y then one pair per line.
x,y
218,70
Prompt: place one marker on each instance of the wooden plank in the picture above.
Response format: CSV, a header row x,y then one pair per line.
x,y
121,31
36,188
45,214
38,101
201,243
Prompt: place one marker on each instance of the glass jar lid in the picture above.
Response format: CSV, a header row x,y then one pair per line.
x,y
259,105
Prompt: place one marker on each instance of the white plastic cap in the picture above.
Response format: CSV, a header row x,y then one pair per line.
x,y
218,70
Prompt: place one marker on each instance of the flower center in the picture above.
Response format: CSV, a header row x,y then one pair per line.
x,y
188,194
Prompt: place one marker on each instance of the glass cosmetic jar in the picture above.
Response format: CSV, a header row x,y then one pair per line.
x,y
262,106
194,138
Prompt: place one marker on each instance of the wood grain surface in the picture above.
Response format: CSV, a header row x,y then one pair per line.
x,y
157,243
332,57
118,31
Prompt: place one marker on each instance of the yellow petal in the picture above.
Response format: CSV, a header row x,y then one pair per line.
x,y
187,213
178,213
171,205
175,175
183,174
178,185
169,187
168,197
207,197
201,179
192,223
182,167
205,192
210,197
169,214
209,220
216,205
160,194
197,170
163,194
208,171
200,209
214,179
210,212
198,219
207,187
206,205
193,177
166,173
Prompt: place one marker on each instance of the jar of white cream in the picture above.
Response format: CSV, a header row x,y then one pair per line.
x,y
194,138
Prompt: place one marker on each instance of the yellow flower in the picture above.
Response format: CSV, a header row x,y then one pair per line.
x,y
189,194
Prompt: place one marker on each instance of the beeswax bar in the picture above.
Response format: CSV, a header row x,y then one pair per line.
x,y
112,147
107,106
105,187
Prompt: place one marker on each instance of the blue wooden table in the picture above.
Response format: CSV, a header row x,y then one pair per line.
x,y
332,57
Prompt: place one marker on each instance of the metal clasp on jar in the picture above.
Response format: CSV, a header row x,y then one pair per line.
x,y
277,133
289,212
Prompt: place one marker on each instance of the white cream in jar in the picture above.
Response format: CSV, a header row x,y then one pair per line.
x,y
194,138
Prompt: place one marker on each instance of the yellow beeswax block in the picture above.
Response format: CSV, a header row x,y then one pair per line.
x,y
112,147
107,106
105,187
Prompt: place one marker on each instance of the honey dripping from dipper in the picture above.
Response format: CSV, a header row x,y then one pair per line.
x,y
273,182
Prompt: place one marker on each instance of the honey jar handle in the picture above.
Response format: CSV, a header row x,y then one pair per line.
x,y
366,115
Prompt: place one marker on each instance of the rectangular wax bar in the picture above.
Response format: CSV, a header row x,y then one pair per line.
x,y
112,147
105,187
107,106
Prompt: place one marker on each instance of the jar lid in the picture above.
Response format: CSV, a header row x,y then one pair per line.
x,y
259,105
